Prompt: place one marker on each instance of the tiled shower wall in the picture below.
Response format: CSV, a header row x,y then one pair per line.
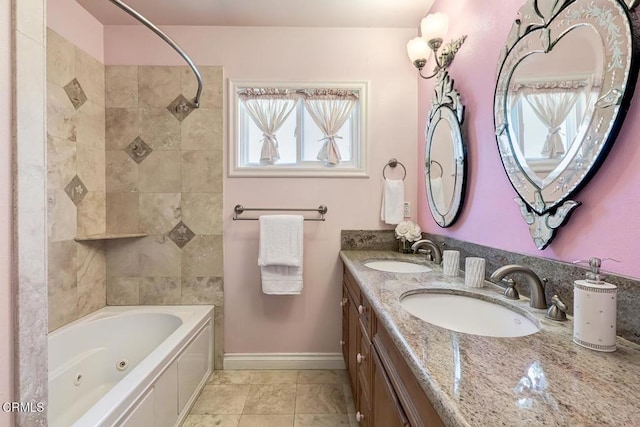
x,y
164,178
123,157
75,181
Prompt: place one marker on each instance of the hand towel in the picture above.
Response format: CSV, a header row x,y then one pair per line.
x,y
437,193
392,210
280,254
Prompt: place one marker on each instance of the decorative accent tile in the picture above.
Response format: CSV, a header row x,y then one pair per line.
x,y
138,150
181,234
75,93
76,190
180,108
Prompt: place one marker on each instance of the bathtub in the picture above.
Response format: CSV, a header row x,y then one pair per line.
x,y
129,366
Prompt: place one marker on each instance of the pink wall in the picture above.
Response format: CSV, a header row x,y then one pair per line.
x,y
6,294
605,225
74,23
255,323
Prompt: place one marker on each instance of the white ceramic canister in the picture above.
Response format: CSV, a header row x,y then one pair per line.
x,y
594,311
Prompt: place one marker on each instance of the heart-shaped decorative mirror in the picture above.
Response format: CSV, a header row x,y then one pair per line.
x,y
565,81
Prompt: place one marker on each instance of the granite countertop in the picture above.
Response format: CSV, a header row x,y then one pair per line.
x,y
540,379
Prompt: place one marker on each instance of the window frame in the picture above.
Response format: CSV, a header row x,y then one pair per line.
x,y
348,169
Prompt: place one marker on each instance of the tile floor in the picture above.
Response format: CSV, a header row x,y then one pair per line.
x,y
309,398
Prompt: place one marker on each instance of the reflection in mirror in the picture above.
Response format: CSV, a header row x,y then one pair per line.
x,y
565,80
445,159
550,95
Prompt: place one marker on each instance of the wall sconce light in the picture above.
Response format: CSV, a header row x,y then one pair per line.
x,y
433,28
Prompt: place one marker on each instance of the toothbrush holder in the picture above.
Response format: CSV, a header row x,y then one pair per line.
x,y
450,262
474,272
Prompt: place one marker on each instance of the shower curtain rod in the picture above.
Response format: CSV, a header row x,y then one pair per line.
x,y
166,38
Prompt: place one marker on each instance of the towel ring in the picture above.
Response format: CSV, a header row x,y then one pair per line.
x,y
440,166
393,163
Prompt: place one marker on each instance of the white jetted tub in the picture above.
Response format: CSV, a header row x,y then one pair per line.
x,y
129,366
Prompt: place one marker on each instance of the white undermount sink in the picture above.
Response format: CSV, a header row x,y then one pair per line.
x,y
393,266
468,314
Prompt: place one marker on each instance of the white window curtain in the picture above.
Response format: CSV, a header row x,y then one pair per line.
x,y
268,108
552,109
330,109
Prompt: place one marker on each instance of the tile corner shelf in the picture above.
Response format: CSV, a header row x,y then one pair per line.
x,y
108,236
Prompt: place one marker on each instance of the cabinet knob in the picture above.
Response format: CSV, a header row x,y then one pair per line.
x,y
360,358
360,309
343,302
359,417
342,343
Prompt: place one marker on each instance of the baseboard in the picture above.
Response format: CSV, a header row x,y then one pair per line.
x,y
284,361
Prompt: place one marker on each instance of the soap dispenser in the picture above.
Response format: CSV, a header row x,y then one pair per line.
x,y
594,310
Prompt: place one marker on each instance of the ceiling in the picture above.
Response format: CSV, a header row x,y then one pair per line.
x,y
281,13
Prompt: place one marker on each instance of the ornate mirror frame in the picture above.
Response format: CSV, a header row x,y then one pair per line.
x,y
446,109
537,30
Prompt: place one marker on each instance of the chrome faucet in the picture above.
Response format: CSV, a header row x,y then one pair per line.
x,y
433,252
536,288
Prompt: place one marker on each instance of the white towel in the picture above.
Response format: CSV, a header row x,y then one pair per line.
x,y
392,210
437,192
280,257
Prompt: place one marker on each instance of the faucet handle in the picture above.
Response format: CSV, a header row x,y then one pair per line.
x,y
558,309
510,292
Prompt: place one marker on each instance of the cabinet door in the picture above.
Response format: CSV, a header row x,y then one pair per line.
x,y
386,409
344,342
352,344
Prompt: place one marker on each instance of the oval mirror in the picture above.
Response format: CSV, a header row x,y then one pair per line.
x,y
564,84
445,156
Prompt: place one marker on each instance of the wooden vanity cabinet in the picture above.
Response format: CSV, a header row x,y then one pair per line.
x,y
386,394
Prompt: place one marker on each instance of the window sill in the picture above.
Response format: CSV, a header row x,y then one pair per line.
x,y
297,172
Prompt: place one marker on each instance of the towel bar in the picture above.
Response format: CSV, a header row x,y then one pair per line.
x,y
393,163
239,209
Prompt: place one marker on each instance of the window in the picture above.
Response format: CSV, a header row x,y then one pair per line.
x,y
297,130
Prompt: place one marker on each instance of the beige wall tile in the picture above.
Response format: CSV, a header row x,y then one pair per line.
x,y
90,74
63,308
121,86
200,290
202,256
159,256
61,116
92,214
212,78
160,290
160,172
92,264
91,167
90,126
122,127
202,130
123,258
123,213
61,59
159,212
61,217
61,162
202,212
158,86
202,171
123,290
121,172
159,129
92,296
62,265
